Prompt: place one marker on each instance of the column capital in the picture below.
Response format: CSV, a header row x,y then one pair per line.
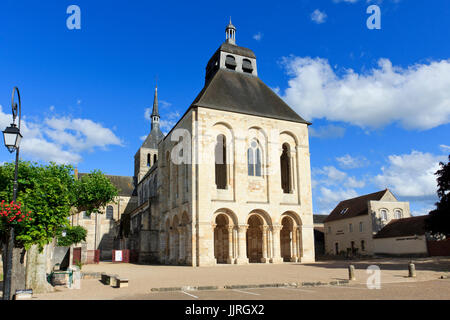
x,y
277,227
243,227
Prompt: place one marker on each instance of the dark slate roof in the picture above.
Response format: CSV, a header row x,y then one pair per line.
x,y
231,48
355,206
124,184
238,92
403,228
154,137
319,218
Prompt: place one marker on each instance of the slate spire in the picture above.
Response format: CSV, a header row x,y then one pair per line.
x,y
155,112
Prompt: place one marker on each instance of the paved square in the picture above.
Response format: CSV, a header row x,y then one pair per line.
x,y
143,278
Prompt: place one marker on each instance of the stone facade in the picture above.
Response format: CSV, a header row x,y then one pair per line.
x,y
102,228
357,232
195,210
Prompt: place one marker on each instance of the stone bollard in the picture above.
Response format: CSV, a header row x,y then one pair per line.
x,y
351,272
411,270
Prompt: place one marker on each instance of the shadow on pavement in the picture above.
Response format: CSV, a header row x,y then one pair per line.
x,y
439,265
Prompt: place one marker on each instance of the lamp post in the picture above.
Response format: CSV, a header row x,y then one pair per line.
x,y
12,137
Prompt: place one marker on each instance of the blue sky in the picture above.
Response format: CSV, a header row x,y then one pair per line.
x,y
379,100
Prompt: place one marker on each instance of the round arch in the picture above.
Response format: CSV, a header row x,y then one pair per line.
x,y
267,220
231,216
294,216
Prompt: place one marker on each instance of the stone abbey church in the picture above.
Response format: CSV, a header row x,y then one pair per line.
x,y
230,183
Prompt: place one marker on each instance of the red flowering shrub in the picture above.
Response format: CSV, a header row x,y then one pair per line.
x,y
13,214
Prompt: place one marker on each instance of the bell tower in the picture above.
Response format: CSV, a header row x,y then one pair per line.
x,y
147,155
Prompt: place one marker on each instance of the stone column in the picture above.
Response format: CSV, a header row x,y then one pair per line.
x,y
264,258
230,259
294,254
162,246
276,258
188,241
270,244
215,243
242,255
235,244
171,251
181,245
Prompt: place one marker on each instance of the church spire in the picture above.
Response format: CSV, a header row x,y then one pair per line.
x,y
155,112
230,33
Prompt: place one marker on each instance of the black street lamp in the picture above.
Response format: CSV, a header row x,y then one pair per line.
x,y
12,137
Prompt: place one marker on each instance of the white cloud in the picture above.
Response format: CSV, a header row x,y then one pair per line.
x,y
348,1
417,97
335,177
258,36
330,198
411,175
327,132
61,139
318,16
353,183
148,113
165,104
349,162
445,148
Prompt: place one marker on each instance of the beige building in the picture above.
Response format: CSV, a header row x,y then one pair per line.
x,y
351,226
230,183
102,228
402,237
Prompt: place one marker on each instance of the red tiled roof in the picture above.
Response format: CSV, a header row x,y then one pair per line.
x,y
403,227
355,206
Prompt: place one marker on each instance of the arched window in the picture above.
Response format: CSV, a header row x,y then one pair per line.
x,y
148,160
383,214
398,214
254,159
109,212
285,163
247,66
155,158
168,174
175,178
230,62
220,153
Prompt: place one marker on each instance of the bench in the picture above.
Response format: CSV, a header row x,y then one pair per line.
x,y
106,278
120,282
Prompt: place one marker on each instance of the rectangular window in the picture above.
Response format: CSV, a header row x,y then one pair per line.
x,y
350,227
329,230
360,227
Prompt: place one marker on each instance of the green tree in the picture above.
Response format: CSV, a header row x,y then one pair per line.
x,y
74,234
48,193
438,222
94,191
